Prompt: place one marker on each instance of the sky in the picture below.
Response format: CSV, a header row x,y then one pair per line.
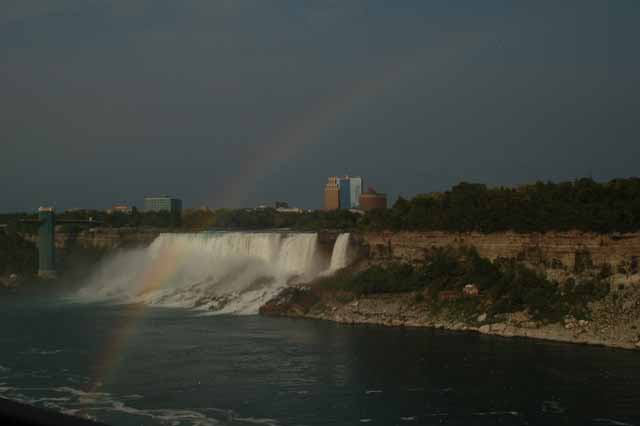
x,y
235,103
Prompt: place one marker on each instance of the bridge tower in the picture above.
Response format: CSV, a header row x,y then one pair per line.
x,y
46,242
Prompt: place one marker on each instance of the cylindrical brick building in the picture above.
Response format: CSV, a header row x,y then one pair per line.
x,y
371,200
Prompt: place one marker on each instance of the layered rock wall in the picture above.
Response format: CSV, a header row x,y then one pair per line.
x,y
101,238
565,250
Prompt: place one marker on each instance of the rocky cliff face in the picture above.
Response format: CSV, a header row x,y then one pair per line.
x,y
572,251
99,238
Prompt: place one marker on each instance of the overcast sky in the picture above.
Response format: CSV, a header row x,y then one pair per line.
x,y
242,102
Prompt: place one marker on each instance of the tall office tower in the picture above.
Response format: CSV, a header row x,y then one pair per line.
x,y
350,190
344,183
355,184
332,194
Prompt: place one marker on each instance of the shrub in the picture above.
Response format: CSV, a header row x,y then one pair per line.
x,y
582,261
605,271
17,255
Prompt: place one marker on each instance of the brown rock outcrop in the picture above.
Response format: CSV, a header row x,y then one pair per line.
x,y
554,249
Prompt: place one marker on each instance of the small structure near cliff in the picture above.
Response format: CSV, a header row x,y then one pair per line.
x,y
471,290
449,295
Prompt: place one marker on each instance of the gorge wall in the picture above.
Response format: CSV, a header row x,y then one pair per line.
x,y
553,250
99,238
559,250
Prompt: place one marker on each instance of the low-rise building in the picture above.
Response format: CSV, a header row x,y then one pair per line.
x,y
163,203
371,200
289,210
120,208
448,295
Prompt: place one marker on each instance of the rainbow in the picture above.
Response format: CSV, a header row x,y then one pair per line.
x,y
445,64
304,131
158,275
307,130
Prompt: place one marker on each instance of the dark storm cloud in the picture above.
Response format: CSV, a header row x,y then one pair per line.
x,y
242,102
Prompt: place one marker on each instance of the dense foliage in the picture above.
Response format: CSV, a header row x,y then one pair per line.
x,y
505,285
17,255
582,205
269,218
103,218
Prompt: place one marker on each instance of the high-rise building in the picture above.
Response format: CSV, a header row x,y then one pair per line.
x,y
332,194
350,190
346,189
163,203
355,186
344,183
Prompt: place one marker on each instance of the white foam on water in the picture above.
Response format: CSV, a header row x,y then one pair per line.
x,y
37,351
611,422
496,413
99,405
221,273
257,421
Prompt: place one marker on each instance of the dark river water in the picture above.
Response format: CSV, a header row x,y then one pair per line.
x,y
127,365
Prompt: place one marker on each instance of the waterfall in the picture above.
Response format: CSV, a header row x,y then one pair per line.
x,y
221,272
225,272
339,256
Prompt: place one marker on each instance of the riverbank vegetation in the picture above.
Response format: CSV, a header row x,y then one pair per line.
x,y
17,256
504,286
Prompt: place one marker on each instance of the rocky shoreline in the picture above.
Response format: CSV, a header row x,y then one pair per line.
x,y
614,323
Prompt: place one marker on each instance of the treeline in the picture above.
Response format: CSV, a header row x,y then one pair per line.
x,y
195,220
135,219
580,205
17,255
265,218
583,205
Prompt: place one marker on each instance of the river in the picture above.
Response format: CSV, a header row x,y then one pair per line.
x,y
141,365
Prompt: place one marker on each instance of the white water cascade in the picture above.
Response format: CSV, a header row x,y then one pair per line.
x,y
222,272
339,256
